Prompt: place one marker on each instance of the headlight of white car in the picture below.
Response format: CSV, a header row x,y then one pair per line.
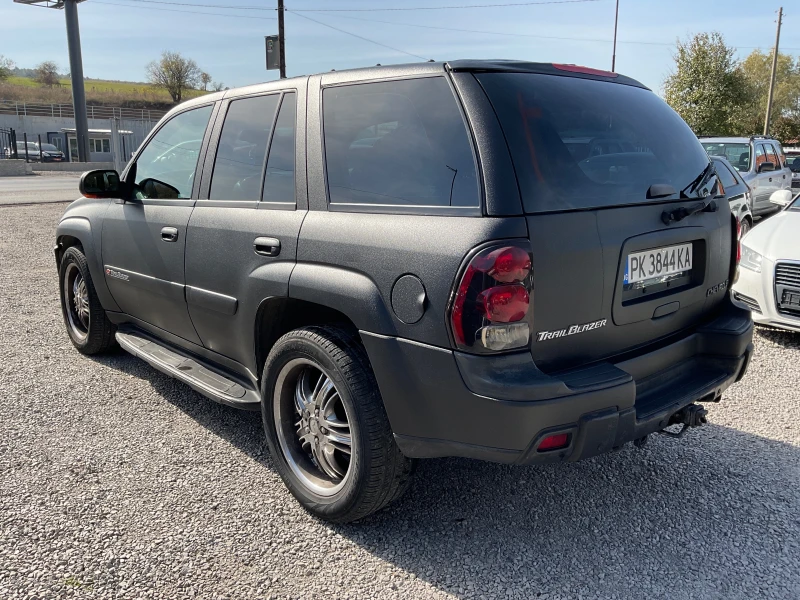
x,y
751,259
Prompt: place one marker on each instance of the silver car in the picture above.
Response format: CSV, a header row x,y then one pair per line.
x,y
761,163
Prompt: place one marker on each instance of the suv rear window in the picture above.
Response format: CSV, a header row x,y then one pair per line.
x,y
398,143
580,143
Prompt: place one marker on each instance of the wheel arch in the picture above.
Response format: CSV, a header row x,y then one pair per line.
x,y
278,316
77,231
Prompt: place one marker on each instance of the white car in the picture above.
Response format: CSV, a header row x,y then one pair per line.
x,y
768,278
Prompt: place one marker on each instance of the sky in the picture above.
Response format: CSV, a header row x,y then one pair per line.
x,y
119,37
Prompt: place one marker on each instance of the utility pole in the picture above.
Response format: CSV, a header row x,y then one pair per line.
x,y
281,40
614,55
76,69
772,76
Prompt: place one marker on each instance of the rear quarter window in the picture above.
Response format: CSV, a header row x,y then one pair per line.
x,y
579,143
398,143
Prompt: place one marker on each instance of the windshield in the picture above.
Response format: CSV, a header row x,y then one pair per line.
x,y
49,148
795,205
580,143
738,154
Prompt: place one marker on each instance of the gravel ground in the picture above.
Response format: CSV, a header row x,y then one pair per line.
x,y
118,482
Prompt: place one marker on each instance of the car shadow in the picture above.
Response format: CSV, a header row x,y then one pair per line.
x,y
788,339
707,514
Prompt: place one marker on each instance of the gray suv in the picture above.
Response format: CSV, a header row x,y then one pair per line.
x,y
517,262
761,163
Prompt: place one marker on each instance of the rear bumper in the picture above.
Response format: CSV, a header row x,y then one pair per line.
x,y
445,403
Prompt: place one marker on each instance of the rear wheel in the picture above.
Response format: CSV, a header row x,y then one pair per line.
x,y
87,325
326,426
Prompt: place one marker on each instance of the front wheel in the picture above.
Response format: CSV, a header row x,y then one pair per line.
x,y
87,324
327,428
744,227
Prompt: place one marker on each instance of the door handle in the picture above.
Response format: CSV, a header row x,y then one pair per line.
x,y
770,179
267,246
169,234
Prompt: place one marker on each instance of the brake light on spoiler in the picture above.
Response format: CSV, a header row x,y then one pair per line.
x,y
491,301
584,70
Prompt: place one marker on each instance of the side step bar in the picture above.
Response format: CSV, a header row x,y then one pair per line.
x,y
192,372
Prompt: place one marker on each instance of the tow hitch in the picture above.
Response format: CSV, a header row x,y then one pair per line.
x,y
693,415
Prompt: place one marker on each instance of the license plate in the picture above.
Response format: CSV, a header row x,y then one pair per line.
x,y
658,263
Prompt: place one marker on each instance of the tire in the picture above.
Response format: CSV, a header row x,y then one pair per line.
x,y
746,226
87,324
340,487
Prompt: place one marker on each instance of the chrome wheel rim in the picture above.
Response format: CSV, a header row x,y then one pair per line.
x,y
745,227
76,302
313,427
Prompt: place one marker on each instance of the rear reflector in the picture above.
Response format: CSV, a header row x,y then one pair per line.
x,y
554,442
584,70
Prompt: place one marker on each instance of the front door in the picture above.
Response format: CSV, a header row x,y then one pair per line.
x,y
242,237
144,238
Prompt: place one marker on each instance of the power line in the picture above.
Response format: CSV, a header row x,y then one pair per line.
x,y
525,35
361,37
195,5
193,12
407,8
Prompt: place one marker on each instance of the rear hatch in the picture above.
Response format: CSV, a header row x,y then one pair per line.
x,y
601,166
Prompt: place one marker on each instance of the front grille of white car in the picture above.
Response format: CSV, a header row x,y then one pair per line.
x,y
787,288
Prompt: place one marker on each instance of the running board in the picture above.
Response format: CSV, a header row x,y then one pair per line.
x,y
190,371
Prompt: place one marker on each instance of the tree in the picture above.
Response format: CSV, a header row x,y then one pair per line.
x,y
205,79
786,129
708,88
47,74
6,65
174,73
218,86
786,98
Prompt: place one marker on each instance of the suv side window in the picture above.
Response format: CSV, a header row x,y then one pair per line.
x,y
242,148
166,167
761,155
279,181
772,156
398,143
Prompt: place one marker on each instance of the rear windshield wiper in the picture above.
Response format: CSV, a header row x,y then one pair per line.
x,y
680,213
697,182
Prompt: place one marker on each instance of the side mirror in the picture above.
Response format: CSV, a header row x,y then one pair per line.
x,y
766,166
100,184
781,197
153,188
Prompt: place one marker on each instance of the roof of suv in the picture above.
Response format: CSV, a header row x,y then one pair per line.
x,y
735,139
462,65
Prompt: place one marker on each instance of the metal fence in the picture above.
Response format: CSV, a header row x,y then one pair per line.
x,y
24,109
8,143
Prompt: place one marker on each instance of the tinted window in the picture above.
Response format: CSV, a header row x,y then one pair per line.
x,y
279,181
398,143
580,143
738,154
166,166
239,165
727,178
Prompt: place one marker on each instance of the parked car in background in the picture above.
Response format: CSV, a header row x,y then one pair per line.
x,y
50,153
409,262
793,162
768,279
760,162
737,192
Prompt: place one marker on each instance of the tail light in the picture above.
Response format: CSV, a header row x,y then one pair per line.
x,y
738,242
491,302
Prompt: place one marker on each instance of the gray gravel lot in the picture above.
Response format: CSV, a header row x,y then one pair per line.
x,y
118,482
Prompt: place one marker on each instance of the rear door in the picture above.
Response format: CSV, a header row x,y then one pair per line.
x,y
615,266
242,238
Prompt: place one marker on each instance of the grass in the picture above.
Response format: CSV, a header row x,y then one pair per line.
x,y
98,91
